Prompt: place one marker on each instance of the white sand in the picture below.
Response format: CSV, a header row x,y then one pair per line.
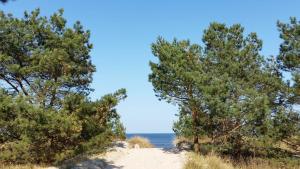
x,y
145,158
122,157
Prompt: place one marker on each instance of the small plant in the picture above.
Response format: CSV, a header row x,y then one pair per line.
x,y
140,141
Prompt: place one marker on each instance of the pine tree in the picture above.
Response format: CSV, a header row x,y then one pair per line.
x,y
45,75
173,78
228,92
289,60
243,91
43,59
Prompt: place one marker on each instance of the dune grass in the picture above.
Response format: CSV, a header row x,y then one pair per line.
x,y
21,166
212,161
270,164
195,161
140,141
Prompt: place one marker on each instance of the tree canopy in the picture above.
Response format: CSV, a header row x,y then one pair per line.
x,y
45,75
227,91
173,77
44,59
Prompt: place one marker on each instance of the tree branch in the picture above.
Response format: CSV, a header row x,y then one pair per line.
x,y
22,87
8,82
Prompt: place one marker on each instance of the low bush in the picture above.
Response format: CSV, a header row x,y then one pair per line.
x,y
30,134
140,141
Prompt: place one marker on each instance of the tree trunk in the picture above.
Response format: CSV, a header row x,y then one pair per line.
x,y
196,144
196,137
195,114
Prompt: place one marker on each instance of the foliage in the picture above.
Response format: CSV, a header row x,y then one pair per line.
x,y
183,127
43,59
244,93
228,91
289,60
27,130
45,72
289,48
173,79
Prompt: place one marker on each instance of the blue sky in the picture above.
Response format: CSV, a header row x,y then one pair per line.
x,y
122,32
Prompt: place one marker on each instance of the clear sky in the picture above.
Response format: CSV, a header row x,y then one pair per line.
x,y
123,30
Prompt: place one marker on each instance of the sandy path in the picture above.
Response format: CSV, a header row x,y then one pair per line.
x,y
145,158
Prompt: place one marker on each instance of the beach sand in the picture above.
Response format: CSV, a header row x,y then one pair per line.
x,y
145,158
123,157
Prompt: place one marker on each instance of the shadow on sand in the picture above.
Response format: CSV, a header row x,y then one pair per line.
x,y
171,150
96,163
109,165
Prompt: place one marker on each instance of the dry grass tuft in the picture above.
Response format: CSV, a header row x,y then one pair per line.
x,y
206,162
23,166
142,142
215,162
269,164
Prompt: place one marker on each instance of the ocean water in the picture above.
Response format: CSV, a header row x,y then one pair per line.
x,y
159,140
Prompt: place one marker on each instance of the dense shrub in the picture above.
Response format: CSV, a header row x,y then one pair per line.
x,y
32,134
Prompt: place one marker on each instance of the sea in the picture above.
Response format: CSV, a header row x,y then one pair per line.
x,y
159,140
